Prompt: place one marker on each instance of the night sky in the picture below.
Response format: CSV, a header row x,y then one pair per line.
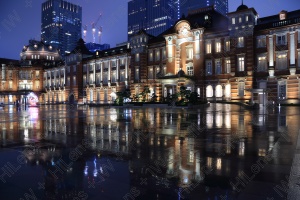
x,y
27,19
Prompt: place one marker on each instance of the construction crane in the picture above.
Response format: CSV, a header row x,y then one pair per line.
x,y
94,24
99,34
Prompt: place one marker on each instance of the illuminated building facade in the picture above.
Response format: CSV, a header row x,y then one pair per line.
x,y
25,77
61,24
220,58
106,73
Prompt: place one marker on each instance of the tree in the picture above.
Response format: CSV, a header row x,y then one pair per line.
x,y
121,96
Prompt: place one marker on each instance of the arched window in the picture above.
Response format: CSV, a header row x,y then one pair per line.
x,y
209,91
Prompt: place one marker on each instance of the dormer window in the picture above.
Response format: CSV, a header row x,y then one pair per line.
x,y
282,15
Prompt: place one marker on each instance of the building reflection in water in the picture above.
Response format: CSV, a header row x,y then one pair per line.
x,y
178,146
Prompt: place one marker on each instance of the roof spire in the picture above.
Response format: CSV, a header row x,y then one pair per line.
x,y
242,2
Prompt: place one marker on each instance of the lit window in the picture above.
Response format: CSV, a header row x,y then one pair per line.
x,y
261,63
137,57
261,41
208,47
227,45
150,72
218,46
150,56
228,65
240,20
233,20
246,18
157,55
241,88
281,61
240,41
189,52
137,74
241,63
190,70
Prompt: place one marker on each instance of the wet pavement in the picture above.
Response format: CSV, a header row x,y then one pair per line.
x,y
223,151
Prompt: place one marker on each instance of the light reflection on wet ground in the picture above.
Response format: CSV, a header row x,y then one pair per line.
x,y
220,152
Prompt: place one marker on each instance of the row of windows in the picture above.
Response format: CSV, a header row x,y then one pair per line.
x,y
219,66
234,20
218,46
105,65
105,77
155,55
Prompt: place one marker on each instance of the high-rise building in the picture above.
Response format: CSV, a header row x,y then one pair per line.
x,y
152,16
61,24
157,16
220,6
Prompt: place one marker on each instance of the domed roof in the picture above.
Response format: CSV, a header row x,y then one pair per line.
x,y
242,7
36,46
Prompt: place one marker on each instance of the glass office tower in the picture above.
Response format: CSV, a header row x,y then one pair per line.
x,y
61,24
156,16
220,6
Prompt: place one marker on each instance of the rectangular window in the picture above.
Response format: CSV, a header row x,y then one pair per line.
x,y
105,77
218,66
218,46
74,68
137,74
150,72
157,55
164,54
113,76
233,20
37,74
281,61
122,75
281,40
113,63
240,41
10,84
261,63
157,70
261,41
241,64
150,55
246,18
228,65
208,47
98,78
241,88
208,65
227,45
240,20
189,53
74,80
190,70
137,57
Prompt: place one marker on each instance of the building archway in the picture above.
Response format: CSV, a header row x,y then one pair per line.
x,y
209,91
228,91
219,91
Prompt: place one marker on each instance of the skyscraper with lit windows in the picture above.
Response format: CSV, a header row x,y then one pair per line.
x,y
152,16
220,6
156,16
61,24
